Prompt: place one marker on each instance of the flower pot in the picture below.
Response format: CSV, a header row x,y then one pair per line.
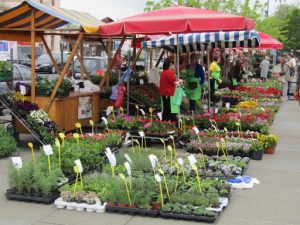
x,y
270,150
257,155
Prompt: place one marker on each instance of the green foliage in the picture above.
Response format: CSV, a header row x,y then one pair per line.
x,y
292,31
8,143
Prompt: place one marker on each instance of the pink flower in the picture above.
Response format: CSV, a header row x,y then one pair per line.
x,y
127,118
147,125
113,121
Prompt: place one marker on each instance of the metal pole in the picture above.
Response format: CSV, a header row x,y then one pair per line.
x,y
208,76
127,86
177,56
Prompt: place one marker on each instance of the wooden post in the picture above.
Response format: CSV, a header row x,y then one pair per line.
x,y
111,62
80,58
109,49
32,55
136,57
50,55
160,58
61,77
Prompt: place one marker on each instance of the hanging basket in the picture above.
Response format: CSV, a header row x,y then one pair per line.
x,y
270,150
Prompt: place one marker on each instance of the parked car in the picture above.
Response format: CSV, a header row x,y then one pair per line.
x,y
95,65
45,65
21,74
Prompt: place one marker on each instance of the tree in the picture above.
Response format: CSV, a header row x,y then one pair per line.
x,y
292,31
229,6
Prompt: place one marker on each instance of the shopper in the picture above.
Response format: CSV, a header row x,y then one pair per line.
x,y
283,77
235,74
167,89
214,80
292,64
264,66
192,86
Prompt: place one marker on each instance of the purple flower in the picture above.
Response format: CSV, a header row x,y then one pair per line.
x,y
147,125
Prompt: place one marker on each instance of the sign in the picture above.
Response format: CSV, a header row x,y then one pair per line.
x,y
157,178
79,165
48,150
104,120
192,160
141,81
141,133
85,107
112,159
216,110
23,89
17,162
128,158
196,130
227,105
127,165
153,160
143,112
180,161
159,116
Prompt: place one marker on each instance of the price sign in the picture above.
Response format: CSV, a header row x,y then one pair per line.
x,y
23,89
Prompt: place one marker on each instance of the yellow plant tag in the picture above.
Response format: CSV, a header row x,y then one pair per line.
x,y
76,170
61,135
30,145
91,122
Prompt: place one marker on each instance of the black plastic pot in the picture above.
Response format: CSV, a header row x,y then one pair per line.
x,y
132,211
257,155
189,217
10,195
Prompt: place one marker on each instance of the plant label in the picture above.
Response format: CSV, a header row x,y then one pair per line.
x,y
216,110
159,116
128,158
170,148
78,125
57,143
192,160
141,81
112,159
143,112
127,136
48,150
157,178
136,106
109,110
262,109
62,135
91,122
150,110
196,130
23,89
153,160
141,133
227,105
76,170
104,120
122,176
127,165
79,165
180,161
108,150
17,162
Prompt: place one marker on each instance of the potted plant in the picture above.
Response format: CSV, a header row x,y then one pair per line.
x,y
269,142
80,200
257,150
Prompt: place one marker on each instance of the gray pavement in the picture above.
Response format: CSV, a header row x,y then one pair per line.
x,y
275,201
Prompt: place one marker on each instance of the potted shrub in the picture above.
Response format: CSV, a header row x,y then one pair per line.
x,y
257,150
269,142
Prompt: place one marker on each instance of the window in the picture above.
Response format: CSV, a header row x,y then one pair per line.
x,y
16,74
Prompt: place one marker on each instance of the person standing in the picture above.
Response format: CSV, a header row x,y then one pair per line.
x,y
264,66
192,85
292,64
215,77
235,74
167,89
283,77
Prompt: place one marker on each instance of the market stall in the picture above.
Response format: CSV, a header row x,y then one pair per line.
x,y
31,21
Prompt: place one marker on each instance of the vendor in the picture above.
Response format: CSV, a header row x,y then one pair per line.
x,y
214,80
167,90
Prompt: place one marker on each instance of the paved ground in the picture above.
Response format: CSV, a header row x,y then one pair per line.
x,y
275,201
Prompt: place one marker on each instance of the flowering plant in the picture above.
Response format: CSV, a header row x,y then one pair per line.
x,y
39,115
270,140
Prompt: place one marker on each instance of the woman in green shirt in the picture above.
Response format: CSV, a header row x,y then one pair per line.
x,y
215,75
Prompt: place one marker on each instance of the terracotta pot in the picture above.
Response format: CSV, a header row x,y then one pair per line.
x,y
156,205
270,150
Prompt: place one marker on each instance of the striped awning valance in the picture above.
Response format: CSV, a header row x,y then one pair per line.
x,y
194,41
46,17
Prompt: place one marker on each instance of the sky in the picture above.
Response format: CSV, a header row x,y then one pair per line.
x,y
116,9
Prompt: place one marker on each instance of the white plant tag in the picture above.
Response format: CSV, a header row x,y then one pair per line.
x,y
48,150
17,162
192,160
216,110
79,165
141,81
170,148
108,150
127,136
180,161
262,109
159,116
196,130
112,159
104,120
23,89
108,110
157,178
127,165
141,133
128,158
143,112
153,160
227,105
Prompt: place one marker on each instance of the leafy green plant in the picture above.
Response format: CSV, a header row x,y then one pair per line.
x,y
8,143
